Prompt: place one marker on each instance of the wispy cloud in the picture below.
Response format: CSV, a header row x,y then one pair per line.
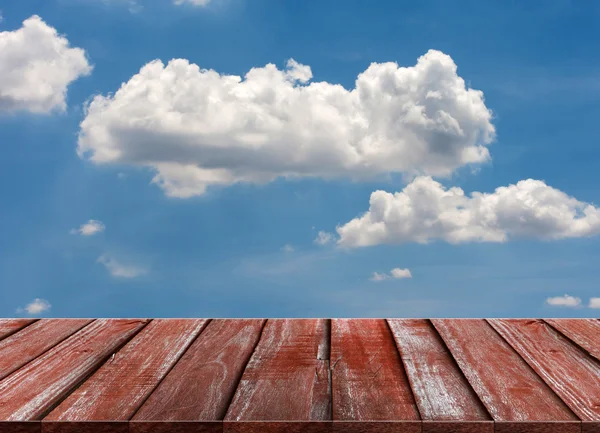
x,y
121,270
35,307
323,238
89,228
192,2
287,248
564,301
396,273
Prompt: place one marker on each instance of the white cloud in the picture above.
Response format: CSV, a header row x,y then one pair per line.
x,y
379,277
400,273
89,228
120,270
396,273
192,2
199,128
36,307
36,66
424,211
323,238
564,301
594,303
287,248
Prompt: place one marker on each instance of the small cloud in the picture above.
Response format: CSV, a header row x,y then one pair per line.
x,y
396,273
401,273
120,270
192,2
323,238
36,307
287,248
89,228
594,303
564,301
379,277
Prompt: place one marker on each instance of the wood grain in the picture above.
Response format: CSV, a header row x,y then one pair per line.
x,y
440,389
584,332
34,389
10,326
571,373
29,343
510,390
287,377
123,383
85,427
367,376
175,426
276,427
204,380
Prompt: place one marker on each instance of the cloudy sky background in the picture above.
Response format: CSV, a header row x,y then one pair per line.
x,y
236,158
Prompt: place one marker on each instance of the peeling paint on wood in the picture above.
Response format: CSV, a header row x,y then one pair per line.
x,y
31,391
368,379
507,386
204,380
584,332
441,391
10,326
571,373
285,379
122,384
29,343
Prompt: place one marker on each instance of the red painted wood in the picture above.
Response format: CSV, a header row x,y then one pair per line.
x,y
10,326
367,376
29,343
510,390
86,427
31,391
441,391
277,427
175,427
124,382
204,380
571,373
584,332
287,377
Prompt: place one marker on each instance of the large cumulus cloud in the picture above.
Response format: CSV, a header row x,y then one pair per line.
x,y
425,211
198,128
36,66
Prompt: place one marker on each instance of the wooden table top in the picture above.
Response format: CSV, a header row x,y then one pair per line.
x,y
300,375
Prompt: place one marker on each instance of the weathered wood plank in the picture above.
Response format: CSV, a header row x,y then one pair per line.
x,y
510,390
175,427
10,326
571,373
29,343
20,427
276,426
123,383
287,377
34,389
367,377
202,384
584,332
444,397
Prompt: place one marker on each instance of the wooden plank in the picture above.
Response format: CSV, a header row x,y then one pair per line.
x,y
287,377
445,399
123,383
277,426
34,389
29,343
20,427
10,326
571,373
202,384
584,332
511,391
367,377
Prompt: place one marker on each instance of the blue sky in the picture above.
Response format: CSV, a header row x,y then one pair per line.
x,y
239,241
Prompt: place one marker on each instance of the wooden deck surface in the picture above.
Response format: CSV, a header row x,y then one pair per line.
x,y
300,375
